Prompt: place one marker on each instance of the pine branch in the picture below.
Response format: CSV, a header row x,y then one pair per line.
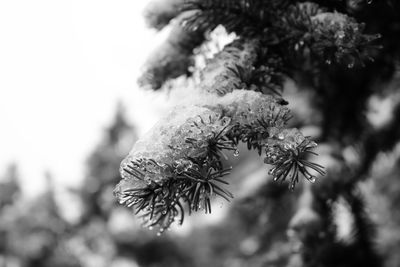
x,y
158,13
221,73
273,37
184,164
331,37
339,38
290,161
265,79
173,58
292,32
245,17
161,202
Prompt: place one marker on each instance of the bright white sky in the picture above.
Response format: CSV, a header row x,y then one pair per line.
x,y
63,66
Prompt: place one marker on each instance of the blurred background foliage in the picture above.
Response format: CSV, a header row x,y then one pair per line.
x,y
250,231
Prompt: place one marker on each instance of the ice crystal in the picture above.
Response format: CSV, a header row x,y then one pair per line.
x,y
221,78
179,163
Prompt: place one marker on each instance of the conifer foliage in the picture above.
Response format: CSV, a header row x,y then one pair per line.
x,y
335,50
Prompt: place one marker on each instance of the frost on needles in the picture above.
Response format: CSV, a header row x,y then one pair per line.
x,y
176,167
179,162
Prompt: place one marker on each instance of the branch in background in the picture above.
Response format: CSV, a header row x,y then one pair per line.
x,y
158,13
292,32
244,17
300,29
324,37
321,246
173,58
381,140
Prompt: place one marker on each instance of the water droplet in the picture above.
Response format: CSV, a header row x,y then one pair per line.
x,y
281,136
312,144
236,153
150,227
288,146
312,179
158,234
275,179
164,212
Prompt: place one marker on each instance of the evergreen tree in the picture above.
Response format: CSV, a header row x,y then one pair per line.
x,y
341,54
97,186
9,187
34,232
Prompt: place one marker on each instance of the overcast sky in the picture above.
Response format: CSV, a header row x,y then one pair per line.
x,y
63,66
